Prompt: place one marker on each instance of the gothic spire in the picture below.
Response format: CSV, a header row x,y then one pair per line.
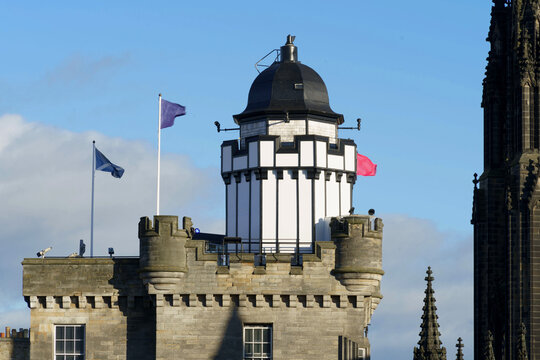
x,y
459,345
429,346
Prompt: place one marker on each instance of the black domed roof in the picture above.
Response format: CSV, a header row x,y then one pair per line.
x,y
288,86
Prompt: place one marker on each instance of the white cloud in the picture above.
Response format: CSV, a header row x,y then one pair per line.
x,y
45,189
410,245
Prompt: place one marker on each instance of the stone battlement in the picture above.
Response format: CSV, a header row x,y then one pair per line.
x,y
173,264
176,286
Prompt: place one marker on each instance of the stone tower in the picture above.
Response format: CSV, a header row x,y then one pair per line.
x,y
506,210
430,346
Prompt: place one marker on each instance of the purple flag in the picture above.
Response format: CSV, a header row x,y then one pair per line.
x,y
169,111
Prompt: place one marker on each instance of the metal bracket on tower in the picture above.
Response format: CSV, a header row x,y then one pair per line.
x,y
358,125
219,129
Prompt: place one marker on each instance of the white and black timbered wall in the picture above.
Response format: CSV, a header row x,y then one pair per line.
x,y
282,197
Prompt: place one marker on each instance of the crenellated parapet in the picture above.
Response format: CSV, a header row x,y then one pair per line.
x,y
358,241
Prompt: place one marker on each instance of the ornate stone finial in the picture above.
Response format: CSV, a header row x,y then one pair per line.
x,y
459,345
489,354
475,180
430,346
522,343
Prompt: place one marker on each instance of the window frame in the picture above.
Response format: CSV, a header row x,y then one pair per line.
x,y
74,354
270,342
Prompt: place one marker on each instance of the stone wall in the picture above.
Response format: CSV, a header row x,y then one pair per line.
x,y
117,329
14,349
131,310
303,327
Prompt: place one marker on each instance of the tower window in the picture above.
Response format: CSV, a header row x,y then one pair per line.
x,y
69,342
257,341
298,86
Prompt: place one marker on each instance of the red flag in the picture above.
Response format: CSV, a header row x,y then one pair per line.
x,y
364,166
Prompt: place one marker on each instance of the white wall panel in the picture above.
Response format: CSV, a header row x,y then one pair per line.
x,y
287,159
267,153
307,152
240,162
243,210
324,129
321,154
332,197
255,213
335,162
269,210
287,212
319,205
226,158
287,130
231,208
253,154
345,196
305,208
350,158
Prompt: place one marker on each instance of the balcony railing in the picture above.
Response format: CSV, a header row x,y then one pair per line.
x,y
234,246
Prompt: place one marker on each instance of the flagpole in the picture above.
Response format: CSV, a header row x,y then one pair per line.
x,y
92,212
159,153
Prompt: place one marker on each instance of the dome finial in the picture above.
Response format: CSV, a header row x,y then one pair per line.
x,y
290,39
289,52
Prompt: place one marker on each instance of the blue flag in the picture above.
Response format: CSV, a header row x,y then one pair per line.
x,y
169,111
103,164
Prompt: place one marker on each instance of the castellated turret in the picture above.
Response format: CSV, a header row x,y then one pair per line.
x,y
295,276
358,242
162,251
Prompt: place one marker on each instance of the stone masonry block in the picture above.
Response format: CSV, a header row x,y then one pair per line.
x,y
226,300
33,302
66,302
209,300
259,300
192,300
293,301
359,301
276,301
49,302
242,300
159,300
82,302
98,302
310,301
343,301
176,300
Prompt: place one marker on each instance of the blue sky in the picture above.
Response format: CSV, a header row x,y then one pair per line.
x,y
412,71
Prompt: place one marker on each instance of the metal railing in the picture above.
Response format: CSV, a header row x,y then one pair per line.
x,y
235,246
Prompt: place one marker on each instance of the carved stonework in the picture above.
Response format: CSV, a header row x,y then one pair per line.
x,y
430,346
522,353
505,208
